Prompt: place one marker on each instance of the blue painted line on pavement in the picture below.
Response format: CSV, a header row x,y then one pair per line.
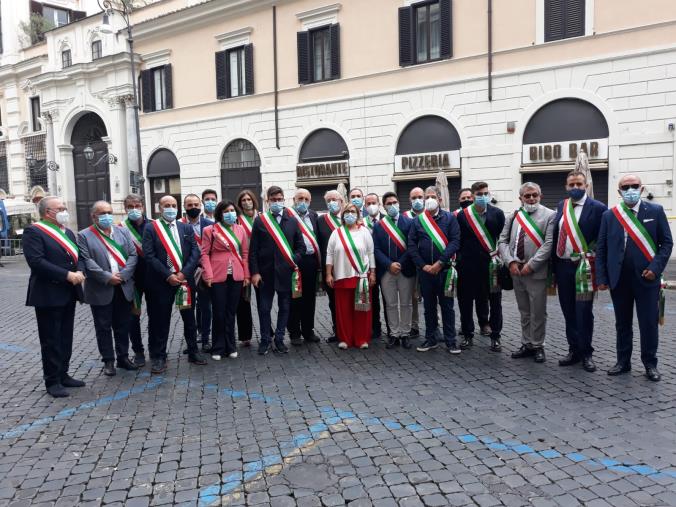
x,y
12,348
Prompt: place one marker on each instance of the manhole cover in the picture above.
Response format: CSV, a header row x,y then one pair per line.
x,y
309,476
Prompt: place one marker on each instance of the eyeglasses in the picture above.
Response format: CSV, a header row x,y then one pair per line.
x,y
531,196
635,186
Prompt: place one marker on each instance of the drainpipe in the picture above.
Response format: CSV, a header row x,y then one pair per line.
x,y
490,50
274,53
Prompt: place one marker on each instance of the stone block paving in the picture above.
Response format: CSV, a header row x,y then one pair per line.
x,y
324,427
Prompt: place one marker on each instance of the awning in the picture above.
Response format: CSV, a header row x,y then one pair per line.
x,y
423,176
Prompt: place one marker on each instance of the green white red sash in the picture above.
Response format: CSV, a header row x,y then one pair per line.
x,y
635,230
362,297
585,274
282,243
246,222
441,242
369,222
183,298
112,246
530,227
312,238
135,236
331,221
487,242
394,233
55,232
410,214
227,236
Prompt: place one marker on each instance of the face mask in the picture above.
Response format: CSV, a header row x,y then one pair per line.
x,y
431,204
482,200
229,217
210,206
62,217
247,205
334,207
393,210
576,193
169,214
193,212
417,204
372,209
350,218
276,207
465,204
134,214
631,196
301,207
357,201
531,208
105,221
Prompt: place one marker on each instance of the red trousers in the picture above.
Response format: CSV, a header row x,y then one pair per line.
x,y
352,327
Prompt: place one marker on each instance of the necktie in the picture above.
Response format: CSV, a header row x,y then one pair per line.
x,y
520,245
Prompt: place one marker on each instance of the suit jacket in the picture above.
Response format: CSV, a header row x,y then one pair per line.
x,y
323,236
589,222
536,258
421,249
204,223
140,271
611,250
387,252
157,270
49,264
313,220
266,259
216,256
97,290
472,256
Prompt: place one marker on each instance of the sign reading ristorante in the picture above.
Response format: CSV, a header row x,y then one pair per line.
x,y
443,160
323,170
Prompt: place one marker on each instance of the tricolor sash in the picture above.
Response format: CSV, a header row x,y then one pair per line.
x,y
135,236
282,243
55,232
585,274
228,237
441,242
362,297
635,230
410,214
530,227
487,242
246,222
312,238
331,221
112,246
394,233
369,223
183,298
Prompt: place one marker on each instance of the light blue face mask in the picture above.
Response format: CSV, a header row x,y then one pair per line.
x,y
482,200
134,214
334,207
209,206
105,221
169,214
276,207
229,217
631,196
350,218
301,207
357,201
418,204
393,210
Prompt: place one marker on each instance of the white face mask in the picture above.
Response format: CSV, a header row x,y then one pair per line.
x,y
373,209
62,217
431,204
531,208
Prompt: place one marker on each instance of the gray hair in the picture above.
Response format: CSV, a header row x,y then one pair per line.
x,y
432,188
92,210
333,193
529,184
132,198
299,190
44,204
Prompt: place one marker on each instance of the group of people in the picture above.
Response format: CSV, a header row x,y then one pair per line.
x,y
210,262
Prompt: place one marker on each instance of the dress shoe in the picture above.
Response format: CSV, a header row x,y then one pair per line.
x,y
652,374
618,369
206,346
158,366
109,369
427,345
139,360
197,358
332,339
311,338
570,359
68,381
467,342
296,340
486,330
496,346
414,333
126,364
454,349
57,391
392,342
279,347
406,343
540,355
588,364
524,351
263,348
185,352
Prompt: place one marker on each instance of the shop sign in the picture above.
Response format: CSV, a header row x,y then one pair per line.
x,y
323,170
426,162
596,149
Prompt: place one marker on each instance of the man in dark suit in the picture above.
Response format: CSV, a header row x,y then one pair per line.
x,y
110,260
633,249
395,270
372,216
54,286
274,254
302,317
326,224
480,227
172,256
577,308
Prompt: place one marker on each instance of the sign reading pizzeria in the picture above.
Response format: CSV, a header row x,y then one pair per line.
x,y
444,160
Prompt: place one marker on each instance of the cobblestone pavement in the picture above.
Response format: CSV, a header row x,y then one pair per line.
x,y
321,426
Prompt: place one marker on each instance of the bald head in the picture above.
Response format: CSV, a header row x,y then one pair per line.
x,y
629,179
168,201
47,203
100,207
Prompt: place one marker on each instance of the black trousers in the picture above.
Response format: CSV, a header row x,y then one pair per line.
x,y
376,326
55,329
225,297
473,290
203,312
135,329
332,305
302,317
579,315
244,319
113,319
160,305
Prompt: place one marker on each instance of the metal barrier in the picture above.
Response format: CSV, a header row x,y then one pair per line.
x,y
11,247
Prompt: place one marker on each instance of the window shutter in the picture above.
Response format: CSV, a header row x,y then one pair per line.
x,y
249,69
334,34
147,91
303,39
78,15
446,14
405,36
554,20
575,18
221,75
168,87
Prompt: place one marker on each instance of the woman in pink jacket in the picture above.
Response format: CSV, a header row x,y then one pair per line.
x,y
225,251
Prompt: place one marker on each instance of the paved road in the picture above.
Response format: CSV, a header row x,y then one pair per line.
x,y
326,427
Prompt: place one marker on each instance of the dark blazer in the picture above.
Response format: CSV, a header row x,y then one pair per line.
x,y
472,255
140,271
590,222
611,251
387,252
313,220
204,222
323,235
157,270
49,264
266,259
421,249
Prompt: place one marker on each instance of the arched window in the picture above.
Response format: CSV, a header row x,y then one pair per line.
x,y
240,169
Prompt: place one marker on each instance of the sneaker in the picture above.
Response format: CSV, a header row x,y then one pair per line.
x,y
263,348
454,349
467,342
197,358
279,347
342,345
364,346
215,357
158,366
427,345
233,355
139,360
496,346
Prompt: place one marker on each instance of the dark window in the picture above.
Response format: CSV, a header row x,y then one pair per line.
x,y
319,54
234,72
54,16
156,89
66,60
425,32
566,120
4,172
564,19
96,50
35,114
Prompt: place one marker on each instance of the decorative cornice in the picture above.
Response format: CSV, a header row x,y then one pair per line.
x,y
156,58
28,86
311,16
235,38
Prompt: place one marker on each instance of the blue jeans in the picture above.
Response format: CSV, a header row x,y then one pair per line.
x,y
266,293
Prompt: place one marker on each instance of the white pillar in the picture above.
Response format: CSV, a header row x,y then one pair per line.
x,y
51,159
132,144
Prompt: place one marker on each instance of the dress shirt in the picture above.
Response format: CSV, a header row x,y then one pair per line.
x,y
309,249
577,209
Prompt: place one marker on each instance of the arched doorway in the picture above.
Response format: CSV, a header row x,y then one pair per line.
x,y
240,169
552,139
92,175
323,163
427,145
164,174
